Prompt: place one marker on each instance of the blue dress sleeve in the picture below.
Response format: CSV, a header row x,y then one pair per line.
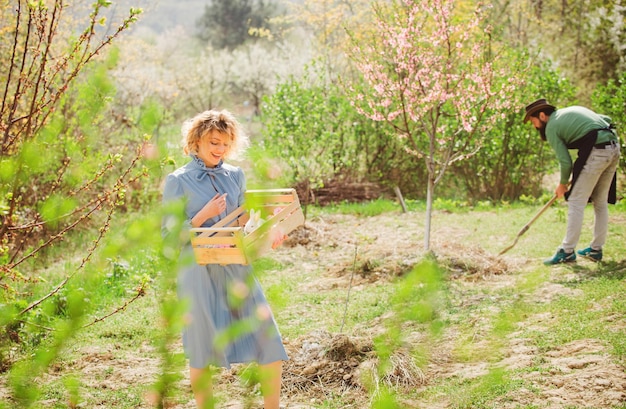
x,y
172,192
172,189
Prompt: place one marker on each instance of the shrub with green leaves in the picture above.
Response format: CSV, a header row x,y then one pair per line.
x,y
610,99
312,127
60,167
65,170
512,160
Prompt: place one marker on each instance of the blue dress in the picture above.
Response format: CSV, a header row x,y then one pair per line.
x,y
229,318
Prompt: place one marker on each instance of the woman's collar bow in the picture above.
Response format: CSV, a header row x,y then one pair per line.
x,y
205,170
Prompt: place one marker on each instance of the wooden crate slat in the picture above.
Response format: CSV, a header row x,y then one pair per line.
x,y
213,231
221,244
230,218
261,192
291,223
216,241
220,256
257,248
274,199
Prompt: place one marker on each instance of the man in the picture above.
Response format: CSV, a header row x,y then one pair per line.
x,y
593,172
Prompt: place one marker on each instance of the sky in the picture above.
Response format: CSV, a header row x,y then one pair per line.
x,y
160,15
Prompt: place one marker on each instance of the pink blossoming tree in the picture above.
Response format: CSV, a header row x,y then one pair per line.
x,y
432,74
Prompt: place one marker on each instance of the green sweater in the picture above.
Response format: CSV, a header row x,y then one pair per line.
x,y
567,125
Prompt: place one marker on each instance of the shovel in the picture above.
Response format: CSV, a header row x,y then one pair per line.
x,y
527,226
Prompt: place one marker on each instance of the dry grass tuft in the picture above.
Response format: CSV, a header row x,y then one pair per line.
x,y
403,371
322,363
470,263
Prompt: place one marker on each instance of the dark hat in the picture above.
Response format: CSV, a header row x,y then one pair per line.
x,y
537,106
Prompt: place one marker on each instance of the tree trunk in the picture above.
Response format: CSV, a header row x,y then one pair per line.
x,y
429,210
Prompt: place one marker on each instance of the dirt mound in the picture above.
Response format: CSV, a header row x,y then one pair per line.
x,y
322,363
470,263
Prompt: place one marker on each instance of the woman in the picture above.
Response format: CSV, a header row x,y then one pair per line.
x,y
221,297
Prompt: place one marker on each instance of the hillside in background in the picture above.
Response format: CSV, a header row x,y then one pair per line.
x,y
162,15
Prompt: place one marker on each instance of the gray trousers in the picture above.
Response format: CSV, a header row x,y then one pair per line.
x,y
593,182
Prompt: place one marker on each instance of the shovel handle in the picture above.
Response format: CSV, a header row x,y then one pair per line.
x,y
539,213
527,226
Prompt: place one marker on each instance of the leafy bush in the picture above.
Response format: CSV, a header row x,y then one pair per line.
x,y
512,159
60,168
610,99
312,127
65,169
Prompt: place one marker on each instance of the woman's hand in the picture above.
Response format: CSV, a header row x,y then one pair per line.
x,y
217,205
278,236
214,207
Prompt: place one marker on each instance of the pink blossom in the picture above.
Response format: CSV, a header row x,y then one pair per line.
x,y
431,64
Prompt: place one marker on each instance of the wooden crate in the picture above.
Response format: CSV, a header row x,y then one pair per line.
x,y
226,243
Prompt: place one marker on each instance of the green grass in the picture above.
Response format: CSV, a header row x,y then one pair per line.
x,y
479,392
379,206
369,208
586,316
482,318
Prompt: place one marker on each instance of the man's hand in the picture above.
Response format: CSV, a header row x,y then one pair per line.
x,y
560,190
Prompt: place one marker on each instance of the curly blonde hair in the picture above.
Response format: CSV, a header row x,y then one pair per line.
x,y
223,121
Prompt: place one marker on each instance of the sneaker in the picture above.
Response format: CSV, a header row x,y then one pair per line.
x,y
560,257
591,254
